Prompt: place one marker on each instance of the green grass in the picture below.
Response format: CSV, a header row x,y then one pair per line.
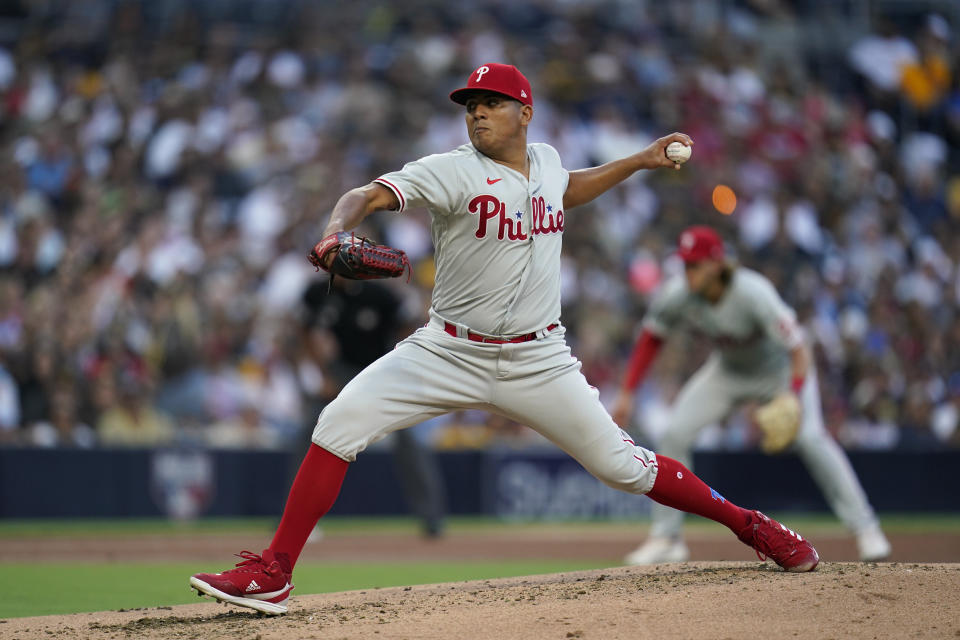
x,y
359,526
93,527
37,590
42,589
126,527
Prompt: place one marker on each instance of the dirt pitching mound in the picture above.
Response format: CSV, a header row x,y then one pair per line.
x,y
694,600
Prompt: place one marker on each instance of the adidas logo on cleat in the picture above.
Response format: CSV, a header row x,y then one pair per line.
x,y
253,586
792,532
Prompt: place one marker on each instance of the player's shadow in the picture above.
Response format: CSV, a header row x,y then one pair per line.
x,y
145,624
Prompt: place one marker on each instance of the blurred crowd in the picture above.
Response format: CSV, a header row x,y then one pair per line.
x,y
167,165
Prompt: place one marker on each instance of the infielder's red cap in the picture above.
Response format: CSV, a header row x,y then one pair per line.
x,y
499,78
700,243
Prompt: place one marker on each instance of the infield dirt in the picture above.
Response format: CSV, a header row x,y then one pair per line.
x,y
694,600
915,596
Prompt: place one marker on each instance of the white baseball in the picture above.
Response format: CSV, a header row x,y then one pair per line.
x,y
678,152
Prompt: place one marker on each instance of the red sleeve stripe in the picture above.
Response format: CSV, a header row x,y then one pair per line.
x,y
643,355
393,187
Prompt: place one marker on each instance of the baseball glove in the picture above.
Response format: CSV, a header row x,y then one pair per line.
x,y
779,422
358,258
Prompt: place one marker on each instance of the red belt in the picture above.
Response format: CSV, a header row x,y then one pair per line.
x,y
476,337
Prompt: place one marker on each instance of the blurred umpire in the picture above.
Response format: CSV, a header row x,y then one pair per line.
x,y
365,320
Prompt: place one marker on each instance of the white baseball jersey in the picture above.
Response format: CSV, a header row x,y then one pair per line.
x,y
496,236
751,327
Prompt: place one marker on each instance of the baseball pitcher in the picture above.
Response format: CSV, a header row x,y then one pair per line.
x,y
494,340
759,356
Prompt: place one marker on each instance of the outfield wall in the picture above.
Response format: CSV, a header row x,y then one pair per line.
x,y
510,484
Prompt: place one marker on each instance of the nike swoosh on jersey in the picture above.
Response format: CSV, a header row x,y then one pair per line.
x,y
492,181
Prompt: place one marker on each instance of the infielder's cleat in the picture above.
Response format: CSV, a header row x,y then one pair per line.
x,y
770,539
259,582
873,545
658,549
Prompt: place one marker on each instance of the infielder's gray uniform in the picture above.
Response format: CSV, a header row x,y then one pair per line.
x,y
753,331
497,238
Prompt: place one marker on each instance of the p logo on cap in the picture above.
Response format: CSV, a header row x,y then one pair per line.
x,y
505,79
700,243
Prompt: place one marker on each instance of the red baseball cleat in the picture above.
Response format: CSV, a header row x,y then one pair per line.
x,y
772,540
259,582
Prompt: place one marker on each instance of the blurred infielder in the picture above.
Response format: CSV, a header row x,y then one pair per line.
x,y
759,356
494,340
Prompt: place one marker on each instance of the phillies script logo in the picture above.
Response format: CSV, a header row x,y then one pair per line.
x,y
545,220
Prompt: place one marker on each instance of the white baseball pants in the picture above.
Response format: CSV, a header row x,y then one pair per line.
x,y
709,397
536,383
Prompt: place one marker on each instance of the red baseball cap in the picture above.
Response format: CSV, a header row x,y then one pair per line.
x,y
700,243
499,78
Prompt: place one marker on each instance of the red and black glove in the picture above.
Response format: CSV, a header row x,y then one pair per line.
x,y
357,258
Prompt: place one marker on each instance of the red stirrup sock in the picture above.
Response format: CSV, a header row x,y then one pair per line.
x,y
677,487
314,491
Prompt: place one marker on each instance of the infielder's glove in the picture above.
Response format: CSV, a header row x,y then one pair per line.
x,y
779,422
358,258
